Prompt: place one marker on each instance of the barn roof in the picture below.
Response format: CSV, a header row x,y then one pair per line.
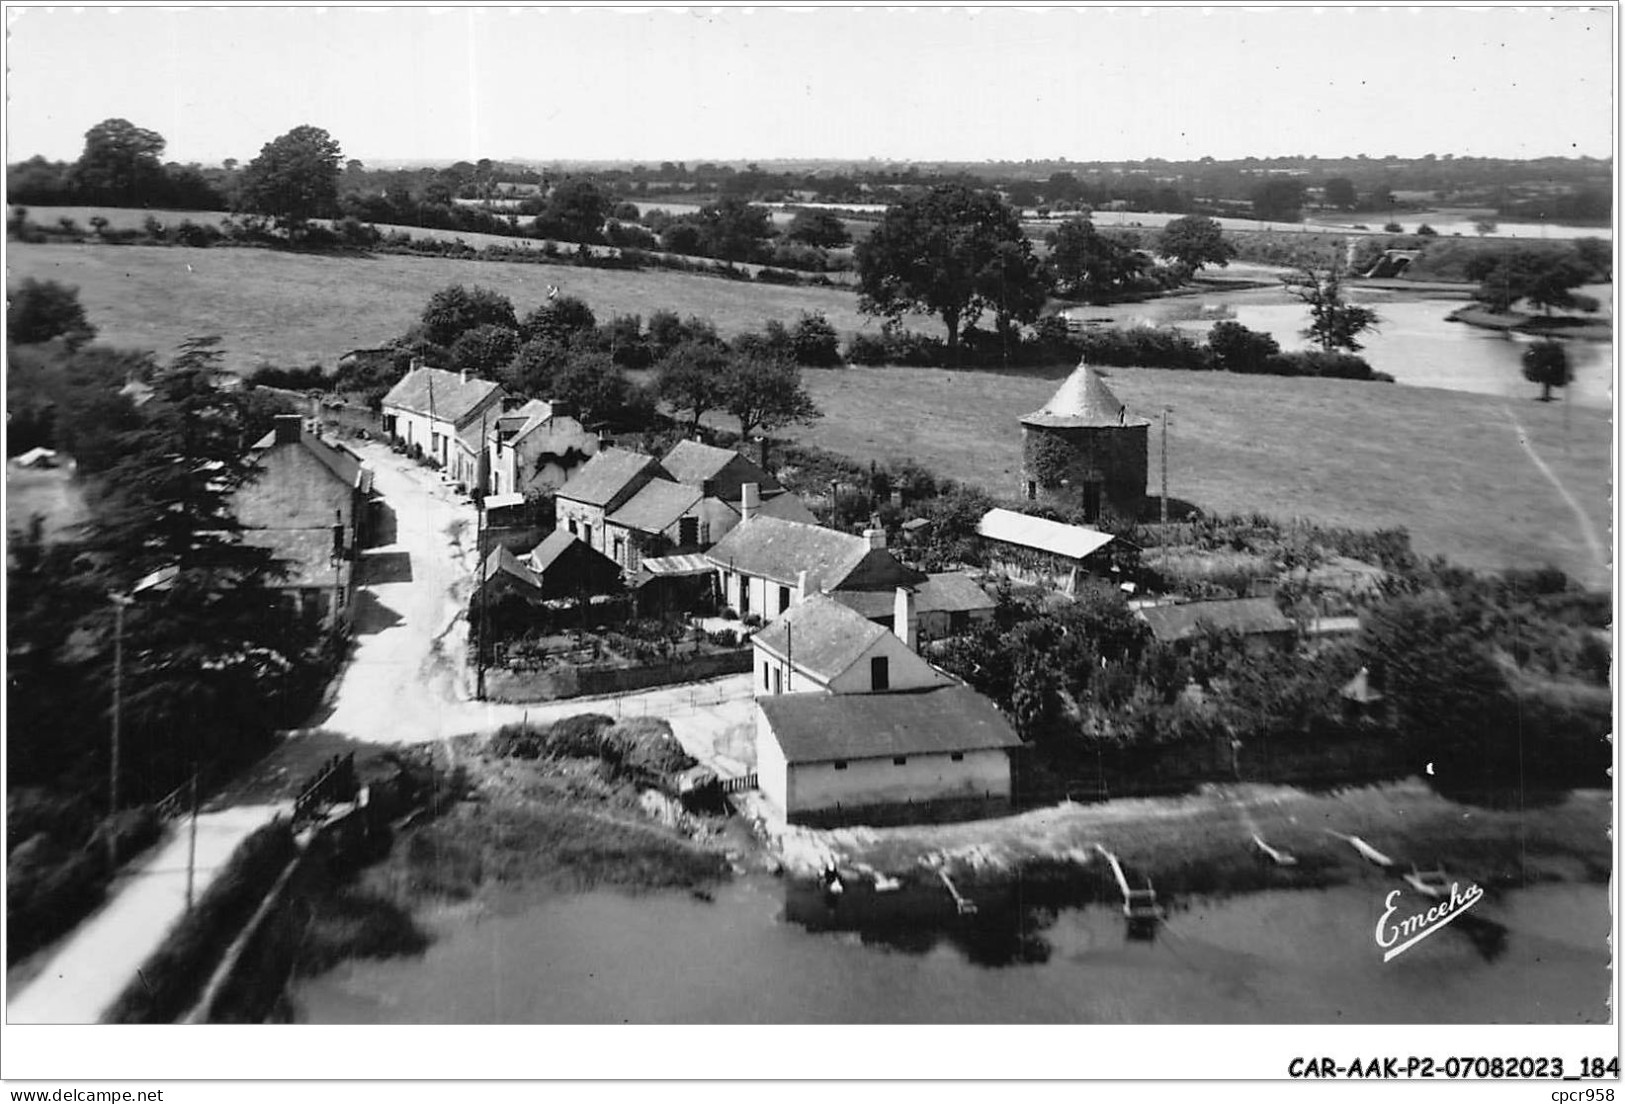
x,y
1083,400
1248,616
447,396
817,727
695,462
945,592
1072,541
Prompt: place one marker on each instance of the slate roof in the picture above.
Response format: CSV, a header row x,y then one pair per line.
x,y
694,462
786,507
773,548
453,400
605,476
343,463
820,635
1072,541
542,556
1248,616
657,506
307,554
945,592
1082,400
816,727
503,562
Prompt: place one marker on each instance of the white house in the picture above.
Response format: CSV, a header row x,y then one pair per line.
x,y
429,408
537,448
840,756
822,645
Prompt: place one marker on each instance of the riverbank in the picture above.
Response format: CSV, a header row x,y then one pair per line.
x,y
1536,325
1204,843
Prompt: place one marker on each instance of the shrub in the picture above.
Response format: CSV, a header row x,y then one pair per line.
x,y
776,276
1235,348
813,342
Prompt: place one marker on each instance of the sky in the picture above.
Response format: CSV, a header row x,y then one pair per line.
x,y
694,84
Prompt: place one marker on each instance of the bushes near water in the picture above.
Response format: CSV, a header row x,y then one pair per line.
x,y
640,749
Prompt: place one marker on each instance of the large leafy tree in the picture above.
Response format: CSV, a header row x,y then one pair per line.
x,y
295,178
820,228
1334,323
576,209
453,311
1194,241
693,379
1547,363
765,393
1089,264
952,252
120,163
1546,278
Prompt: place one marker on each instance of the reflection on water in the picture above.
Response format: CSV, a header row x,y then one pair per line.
x,y
1412,342
772,952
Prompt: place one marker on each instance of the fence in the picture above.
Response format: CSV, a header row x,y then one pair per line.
x,y
334,782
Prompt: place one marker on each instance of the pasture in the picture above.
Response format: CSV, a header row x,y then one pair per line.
x,y
294,309
1446,465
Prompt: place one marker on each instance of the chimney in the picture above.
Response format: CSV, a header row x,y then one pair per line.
x,y
463,376
903,618
875,537
750,501
289,428
801,587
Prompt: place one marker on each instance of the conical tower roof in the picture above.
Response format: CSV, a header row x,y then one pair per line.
x,y
1083,400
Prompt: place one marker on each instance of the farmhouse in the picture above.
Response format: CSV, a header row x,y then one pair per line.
x,y
1084,451
724,474
566,567
308,504
663,517
428,409
851,756
1258,620
1040,551
820,644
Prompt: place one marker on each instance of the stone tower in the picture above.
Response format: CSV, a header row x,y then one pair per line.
x,y
1084,451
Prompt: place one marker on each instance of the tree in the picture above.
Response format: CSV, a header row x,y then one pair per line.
x,y
733,229
820,228
766,393
577,208
1194,241
1334,323
295,178
560,319
591,386
40,310
694,377
1278,200
453,311
485,350
1089,264
813,341
938,252
1545,278
532,369
1235,348
1340,193
120,163
1547,363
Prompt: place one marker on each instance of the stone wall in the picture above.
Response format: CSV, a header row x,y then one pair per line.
x,y
576,682
1115,457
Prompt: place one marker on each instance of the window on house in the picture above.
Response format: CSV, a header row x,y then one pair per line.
x,y
572,527
766,675
620,549
784,598
778,681
879,674
840,764
688,531
1032,489
744,596
586,533
899,761
957,757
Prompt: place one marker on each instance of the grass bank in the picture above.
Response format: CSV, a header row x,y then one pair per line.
x,y
1448,466
294,309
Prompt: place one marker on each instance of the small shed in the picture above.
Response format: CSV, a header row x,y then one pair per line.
x,y
1258,620
567,567
1037,550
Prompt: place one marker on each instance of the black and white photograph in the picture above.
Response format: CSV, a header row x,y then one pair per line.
x,y
609,518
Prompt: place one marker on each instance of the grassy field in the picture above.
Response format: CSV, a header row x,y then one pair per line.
x,y
1446,465
293,309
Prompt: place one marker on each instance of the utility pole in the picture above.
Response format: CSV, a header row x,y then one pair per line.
x,y
119,602
479,577
191,846
1165,411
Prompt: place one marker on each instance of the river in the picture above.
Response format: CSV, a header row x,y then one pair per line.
x,y
1413,342
768,952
